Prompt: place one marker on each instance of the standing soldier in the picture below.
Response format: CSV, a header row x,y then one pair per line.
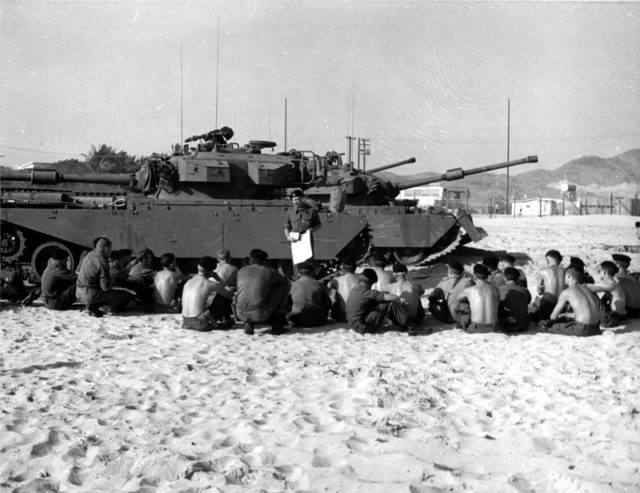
x,y
302,217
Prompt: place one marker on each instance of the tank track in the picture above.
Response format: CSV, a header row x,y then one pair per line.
x,y
445,251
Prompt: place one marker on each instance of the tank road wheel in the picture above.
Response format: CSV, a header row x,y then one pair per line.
x,y
13,244
42,254
408,256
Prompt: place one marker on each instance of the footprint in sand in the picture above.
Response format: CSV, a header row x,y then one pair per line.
x,y
521,484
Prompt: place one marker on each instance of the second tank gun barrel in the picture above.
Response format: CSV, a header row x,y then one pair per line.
x,y
52,177
393,165
459,173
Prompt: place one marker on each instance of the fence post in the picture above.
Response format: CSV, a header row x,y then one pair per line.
x,y
611,200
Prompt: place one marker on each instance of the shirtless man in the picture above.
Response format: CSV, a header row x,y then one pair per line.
x,y
483,302
613,299
628,284
225,270
197,297
340,287
409,292
445,294
166,283
385,277
584,320
550,284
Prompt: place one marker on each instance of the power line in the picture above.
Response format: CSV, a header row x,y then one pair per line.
x,y
40,151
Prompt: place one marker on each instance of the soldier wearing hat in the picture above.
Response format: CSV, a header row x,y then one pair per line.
x,y
58,283
441,299
550,283
367,309
302,217
200,311
340,287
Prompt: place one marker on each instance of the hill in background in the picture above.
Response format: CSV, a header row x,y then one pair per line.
x,y
593,175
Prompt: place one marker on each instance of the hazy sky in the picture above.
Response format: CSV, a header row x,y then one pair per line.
x,y
431,79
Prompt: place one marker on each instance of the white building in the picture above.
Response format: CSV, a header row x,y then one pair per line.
x,y
449,197
537,206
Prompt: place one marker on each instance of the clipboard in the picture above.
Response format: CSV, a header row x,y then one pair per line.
x,y
301,250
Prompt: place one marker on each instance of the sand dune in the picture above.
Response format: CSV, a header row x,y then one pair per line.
x,y
134,403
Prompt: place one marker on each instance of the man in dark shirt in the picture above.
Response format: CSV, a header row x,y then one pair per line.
x,y
302,217
94,286
58,283
311,300
261,295
141,277
513,307
367,309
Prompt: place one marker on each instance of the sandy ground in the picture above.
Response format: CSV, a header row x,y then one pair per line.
x,y
133,403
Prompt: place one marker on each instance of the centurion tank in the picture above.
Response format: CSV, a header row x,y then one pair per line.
x,y
211,194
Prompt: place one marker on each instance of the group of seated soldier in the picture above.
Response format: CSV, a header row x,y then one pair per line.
x,y
496,296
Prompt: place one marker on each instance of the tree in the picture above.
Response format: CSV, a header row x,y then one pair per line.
x,y
105,159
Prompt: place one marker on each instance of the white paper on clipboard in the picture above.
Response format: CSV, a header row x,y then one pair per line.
x,y
301,250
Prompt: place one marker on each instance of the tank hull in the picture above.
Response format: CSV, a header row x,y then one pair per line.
x,y
190,230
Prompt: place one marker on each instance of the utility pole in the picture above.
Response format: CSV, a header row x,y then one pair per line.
x,y
285,124
217,69
365,149
508,143
350,140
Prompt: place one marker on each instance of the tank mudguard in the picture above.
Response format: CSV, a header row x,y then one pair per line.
x,y
419,230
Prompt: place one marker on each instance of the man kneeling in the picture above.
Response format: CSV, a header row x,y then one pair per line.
x,y
367,308
198,297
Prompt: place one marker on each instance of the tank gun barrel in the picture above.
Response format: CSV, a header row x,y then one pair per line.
x,y
52,177
459,173
393,165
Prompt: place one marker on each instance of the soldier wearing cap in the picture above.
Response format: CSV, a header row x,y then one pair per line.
x,y
302,217
367,309
443,296
340,287
199,309
550,284
483,300
628,284
58,283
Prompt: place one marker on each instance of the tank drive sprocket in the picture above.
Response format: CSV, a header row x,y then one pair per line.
x,y
13,244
